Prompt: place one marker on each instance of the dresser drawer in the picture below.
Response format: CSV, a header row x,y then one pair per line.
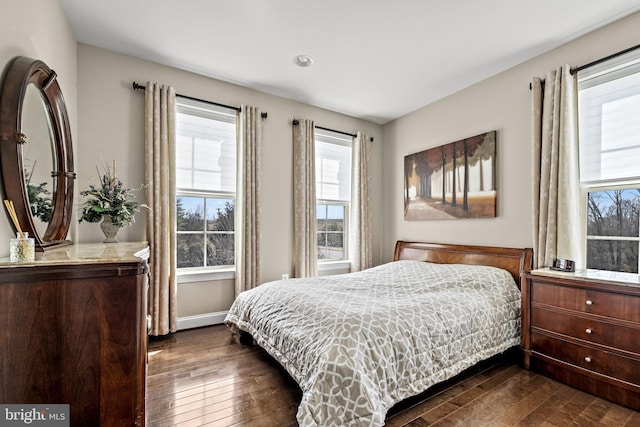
x,y
626,338
613,365
618,306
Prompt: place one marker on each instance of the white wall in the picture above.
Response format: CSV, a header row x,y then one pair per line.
x,y
499,103
111,127
107,123
39,29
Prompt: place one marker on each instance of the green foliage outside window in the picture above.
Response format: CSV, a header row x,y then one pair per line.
x,y
205,242
330,231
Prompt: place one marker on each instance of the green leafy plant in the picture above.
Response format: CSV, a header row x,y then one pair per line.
x,y
110,198
40,200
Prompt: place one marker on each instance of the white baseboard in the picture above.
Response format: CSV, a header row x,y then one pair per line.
x,y
200,320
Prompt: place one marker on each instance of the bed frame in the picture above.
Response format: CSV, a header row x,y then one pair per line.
x,y
514,260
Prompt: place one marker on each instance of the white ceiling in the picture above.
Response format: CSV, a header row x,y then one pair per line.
x,y
373,59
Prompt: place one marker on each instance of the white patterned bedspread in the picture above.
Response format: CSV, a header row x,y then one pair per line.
x,y
358,343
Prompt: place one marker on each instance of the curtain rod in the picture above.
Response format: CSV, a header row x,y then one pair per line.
x,y
295,122
606,58
137,86
599,61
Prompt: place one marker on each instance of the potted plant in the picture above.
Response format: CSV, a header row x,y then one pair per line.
x,y
110,202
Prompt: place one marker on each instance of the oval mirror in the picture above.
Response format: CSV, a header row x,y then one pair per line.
x,y
38,158
35,151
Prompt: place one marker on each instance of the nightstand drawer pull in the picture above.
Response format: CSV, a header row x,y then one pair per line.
x,y
587,359
588,330
589,302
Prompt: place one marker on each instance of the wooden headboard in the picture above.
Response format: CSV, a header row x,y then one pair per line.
x,y
514,260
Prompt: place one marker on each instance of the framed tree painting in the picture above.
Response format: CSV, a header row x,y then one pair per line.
x,y
456,180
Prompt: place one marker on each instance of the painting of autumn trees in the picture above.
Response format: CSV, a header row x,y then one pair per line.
x,y
456,180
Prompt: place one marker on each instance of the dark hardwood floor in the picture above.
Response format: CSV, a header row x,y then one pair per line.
x,y
203,377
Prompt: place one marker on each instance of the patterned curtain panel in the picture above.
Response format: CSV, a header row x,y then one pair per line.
x,y
360,229
248,260
305,262
159,129
557,219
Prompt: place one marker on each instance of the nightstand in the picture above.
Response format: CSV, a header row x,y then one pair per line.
x,y
583,329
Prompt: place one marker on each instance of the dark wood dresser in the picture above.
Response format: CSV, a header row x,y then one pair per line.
x,y
73,331
583,329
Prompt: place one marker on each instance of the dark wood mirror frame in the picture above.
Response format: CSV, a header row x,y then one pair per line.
x,y
21,72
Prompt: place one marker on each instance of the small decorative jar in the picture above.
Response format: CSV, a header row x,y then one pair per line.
x,y
22,248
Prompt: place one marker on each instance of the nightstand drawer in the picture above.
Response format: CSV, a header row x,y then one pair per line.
x,y
613,365
626,338
618,306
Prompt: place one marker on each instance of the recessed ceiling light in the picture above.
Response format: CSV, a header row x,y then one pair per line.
x,y
303,60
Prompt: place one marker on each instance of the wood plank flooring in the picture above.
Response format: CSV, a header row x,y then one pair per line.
x,y
203,377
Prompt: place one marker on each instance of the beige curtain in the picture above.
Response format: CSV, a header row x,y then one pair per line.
x,y
360,229
248,260
558,230
305,257
160,107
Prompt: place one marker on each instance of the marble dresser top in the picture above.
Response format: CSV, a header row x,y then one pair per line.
x,y
86,253
589,275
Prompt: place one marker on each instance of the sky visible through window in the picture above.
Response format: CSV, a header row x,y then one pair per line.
x,y
606,202
334,212
192,204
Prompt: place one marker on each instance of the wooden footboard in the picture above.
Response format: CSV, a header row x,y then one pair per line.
x,y
515,260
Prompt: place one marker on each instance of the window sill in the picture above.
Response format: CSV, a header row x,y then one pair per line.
x,y
334,266
204,275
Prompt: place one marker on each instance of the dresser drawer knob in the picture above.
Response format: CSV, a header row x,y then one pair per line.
x,y
589,302
588,330
587,359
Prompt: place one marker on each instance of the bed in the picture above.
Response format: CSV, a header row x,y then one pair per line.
x,y
359,343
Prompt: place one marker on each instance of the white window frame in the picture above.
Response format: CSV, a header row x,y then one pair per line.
x,y
201,274
619,67
345,231
344,263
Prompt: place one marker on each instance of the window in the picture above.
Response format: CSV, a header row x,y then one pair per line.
x,y
205,185
609,129
333,194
